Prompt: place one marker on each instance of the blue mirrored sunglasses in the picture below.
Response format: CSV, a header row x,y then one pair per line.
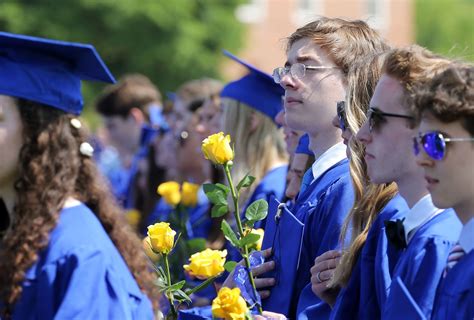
x,y
434,144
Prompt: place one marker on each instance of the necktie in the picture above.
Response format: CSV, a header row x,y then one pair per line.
x,y
307,179
454,256
396,233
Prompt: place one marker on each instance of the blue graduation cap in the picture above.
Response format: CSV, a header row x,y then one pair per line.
x,y
303,145
48,71
257,89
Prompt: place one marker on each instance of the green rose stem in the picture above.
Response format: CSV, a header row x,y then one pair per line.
x,y
235,198
201,286
168,280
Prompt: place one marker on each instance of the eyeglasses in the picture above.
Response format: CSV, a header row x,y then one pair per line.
x,y
376,118
297,71
341,114
434,144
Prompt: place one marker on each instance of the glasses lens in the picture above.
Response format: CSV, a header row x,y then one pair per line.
x,y
298,70
434,145
341,114
375,119
277,75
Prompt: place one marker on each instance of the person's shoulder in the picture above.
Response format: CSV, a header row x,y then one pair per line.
x,y
78,229
444,227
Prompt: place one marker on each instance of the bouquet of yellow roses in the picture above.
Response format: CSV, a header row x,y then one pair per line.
x,y
217,149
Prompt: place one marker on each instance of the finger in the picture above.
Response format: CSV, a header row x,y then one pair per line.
x,y
264,294
267,253
263,268
273,315
264,282
326,275
331,254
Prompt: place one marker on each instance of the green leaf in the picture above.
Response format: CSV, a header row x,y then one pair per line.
x,y
257,210
230,234
249,239
196,245
223,187
215,194
245,182
176,286
219,210
229,266
181,296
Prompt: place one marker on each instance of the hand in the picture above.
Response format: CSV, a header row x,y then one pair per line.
x,y
269,315
257,271
322,272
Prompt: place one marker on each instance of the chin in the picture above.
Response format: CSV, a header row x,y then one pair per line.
x,y
441,202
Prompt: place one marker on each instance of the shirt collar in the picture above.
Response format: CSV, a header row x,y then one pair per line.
x,y
418,215
328,159
466,240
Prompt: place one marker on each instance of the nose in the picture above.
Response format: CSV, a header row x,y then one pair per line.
x,y
423,160
363,135
287,81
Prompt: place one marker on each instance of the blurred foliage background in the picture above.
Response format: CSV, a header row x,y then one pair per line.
x,y
446,27
170,41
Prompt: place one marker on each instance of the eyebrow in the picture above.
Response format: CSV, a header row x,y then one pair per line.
x,y
304,58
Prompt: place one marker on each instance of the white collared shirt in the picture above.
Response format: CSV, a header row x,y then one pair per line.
x,y
466,240
418,215
329,158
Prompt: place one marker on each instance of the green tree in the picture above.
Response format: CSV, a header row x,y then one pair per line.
x,y
446,27
169,41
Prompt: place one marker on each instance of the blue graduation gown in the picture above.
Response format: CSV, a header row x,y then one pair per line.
x,y
81,275
349,301
455,295
421,264
327,201
378,260
273,184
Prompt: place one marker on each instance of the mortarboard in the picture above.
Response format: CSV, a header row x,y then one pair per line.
x,y
48,71
284,234
256,89
303,145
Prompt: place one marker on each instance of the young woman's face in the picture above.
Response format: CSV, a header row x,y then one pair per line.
x,y
11,140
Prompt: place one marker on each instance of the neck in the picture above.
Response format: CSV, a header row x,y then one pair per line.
x,y
321,142
412,189
465,211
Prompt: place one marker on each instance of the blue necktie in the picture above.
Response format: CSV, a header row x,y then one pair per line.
x,y
307,179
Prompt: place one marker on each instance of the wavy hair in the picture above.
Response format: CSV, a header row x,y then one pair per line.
x,y
369,198
51,169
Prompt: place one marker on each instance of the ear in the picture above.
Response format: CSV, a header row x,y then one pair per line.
x,y
137,115
255,121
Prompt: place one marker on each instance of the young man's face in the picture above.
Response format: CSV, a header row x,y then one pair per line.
x,y
389,147
310,100
451,179
124,133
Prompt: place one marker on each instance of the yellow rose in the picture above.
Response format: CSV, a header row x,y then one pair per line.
x,y
260,232
229,304
170,192
217,148
133,217
149,251
190,194
161,237
206,264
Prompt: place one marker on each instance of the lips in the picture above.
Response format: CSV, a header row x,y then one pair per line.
x,y
291,101
431,181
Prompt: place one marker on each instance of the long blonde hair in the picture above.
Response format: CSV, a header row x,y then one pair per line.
x,y
255,148
369,198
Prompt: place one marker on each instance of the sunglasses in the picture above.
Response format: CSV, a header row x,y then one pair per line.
x,y
376,118
341,115
434,144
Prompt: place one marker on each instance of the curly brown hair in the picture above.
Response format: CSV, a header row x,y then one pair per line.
x,y
449,96
51,169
